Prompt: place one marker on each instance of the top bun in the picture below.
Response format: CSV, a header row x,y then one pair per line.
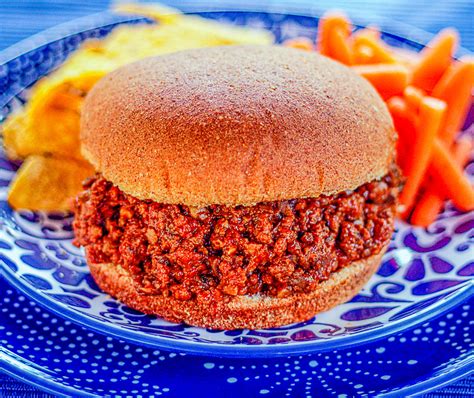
x,y
236,125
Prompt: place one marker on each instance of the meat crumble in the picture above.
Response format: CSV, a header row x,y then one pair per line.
x,y
272,248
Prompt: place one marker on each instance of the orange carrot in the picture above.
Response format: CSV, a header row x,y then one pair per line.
x,y
431,115
455,87
462,150
388,79
363,55
339,47
404,122
427,208
327,25
380,53
432,201
447,173
302,43
413,96
401,112
436,57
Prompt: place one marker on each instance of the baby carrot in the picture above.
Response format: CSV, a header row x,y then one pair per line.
x,y
380,53
339,47
431,115
455,87
432,201
413,96
388,79
427,208
403,118
449,175
327,25
435,59
362,55
404,122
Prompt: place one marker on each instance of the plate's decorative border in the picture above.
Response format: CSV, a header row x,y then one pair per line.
x,y
39,259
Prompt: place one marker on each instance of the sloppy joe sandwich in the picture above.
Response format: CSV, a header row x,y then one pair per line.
x,y
236,186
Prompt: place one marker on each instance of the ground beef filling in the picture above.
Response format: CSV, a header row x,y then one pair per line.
x,y
272,248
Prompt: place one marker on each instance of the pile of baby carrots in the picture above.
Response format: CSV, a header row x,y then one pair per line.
x,y
428,95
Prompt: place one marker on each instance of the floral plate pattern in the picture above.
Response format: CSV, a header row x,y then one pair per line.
x,y
424,273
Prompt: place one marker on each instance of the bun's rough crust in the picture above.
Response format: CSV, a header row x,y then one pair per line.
x,y
238,312
236,125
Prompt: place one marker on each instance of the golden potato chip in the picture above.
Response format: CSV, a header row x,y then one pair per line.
x,y
71,99
47,183
11,129
74,80
56,132
156,11
194,29
50,121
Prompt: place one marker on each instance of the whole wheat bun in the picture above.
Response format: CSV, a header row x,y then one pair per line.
x,y
240,312
236,125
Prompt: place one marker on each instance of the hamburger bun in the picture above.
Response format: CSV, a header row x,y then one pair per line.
x,y
240,312
198,128
199,131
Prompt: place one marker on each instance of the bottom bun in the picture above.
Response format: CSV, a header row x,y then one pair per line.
x,y
240,312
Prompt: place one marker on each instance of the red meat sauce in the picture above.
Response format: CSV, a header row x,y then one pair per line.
x,y
273,248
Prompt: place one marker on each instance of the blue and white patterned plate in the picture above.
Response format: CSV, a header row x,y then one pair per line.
x,y
56,355
424,273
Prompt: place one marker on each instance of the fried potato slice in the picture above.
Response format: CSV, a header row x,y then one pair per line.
x,y
194,28
67,87
50,121
12,128
57,131
48,183
157,11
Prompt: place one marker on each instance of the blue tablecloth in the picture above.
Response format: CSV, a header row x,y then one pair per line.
x,y
22,18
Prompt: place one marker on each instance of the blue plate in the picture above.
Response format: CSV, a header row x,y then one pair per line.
x,y
58,356
424,273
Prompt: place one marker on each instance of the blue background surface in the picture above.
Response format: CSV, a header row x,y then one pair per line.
x,y
20,19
